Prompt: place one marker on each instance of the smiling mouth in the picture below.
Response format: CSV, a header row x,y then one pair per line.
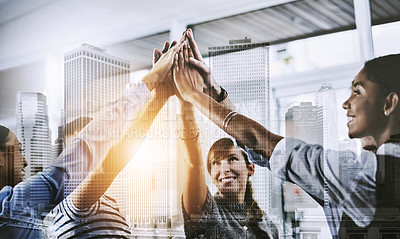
x,y
350,119
227,180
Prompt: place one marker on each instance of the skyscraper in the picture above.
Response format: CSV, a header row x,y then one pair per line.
x,y
242,69
58,145
33,131
92,79
315,124
34,134
304,122
325,99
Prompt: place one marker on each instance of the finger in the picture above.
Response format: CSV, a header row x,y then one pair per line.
x,y
185,53
198,64
176,65
183,37
181,59
156,55
166,47
190,51
172,44
193,45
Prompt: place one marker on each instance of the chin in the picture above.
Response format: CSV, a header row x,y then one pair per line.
x,y
227,191
353,135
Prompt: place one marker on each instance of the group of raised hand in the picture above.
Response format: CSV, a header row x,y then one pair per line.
x,y
180,65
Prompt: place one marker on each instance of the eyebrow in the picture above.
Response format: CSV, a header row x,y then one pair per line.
x,y
358,83
228,156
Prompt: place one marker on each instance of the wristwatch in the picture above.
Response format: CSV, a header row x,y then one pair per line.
x,y
222,96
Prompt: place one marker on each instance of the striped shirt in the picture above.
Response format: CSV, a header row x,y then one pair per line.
x,y
102,220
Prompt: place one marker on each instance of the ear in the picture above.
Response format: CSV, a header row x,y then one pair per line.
x,y
391,102
250,169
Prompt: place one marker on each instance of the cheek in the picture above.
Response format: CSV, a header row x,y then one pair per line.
x,y
214,173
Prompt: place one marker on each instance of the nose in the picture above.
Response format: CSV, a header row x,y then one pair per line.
x,y
225,166
346,104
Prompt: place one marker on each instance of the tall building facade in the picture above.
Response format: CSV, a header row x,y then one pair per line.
x,y
315,123
92,79
34,134
325,99
304,122
33,131
242,69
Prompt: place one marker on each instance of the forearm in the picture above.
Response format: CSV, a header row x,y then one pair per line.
x,y
243,129
111,123
188,134
221,96
151,80
98,181
194,185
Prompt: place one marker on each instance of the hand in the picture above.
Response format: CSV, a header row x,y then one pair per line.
x,y
162,64
167,87
210,86
187,79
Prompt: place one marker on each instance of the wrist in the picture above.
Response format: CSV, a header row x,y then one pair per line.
x,y
221,96
216,89
187,108
151,79
191,98
161,94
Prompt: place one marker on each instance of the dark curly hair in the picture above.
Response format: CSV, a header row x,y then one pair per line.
x,y
384,71
4,132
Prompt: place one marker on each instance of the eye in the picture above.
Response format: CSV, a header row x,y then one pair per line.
x,y
216,163
356,92
233,159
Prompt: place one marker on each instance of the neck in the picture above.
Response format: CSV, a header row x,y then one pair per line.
x,y
383,136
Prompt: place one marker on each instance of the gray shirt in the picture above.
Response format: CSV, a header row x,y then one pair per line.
x,y
323,175
220,219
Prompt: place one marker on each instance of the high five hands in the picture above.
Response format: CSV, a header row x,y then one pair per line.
x,y
189,73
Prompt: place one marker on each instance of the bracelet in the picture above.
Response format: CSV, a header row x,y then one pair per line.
x,y
194,138
222,96
227,119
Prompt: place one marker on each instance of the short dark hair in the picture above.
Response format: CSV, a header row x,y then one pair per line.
x,y
220,148
4,132
384,71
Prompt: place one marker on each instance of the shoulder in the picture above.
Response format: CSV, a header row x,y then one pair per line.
x,y
5,195
102,218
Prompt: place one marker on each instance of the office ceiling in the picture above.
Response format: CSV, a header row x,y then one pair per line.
x,y
276,24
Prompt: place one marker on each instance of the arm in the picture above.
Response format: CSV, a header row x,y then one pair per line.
x,y
98,181
248,132
121,152
210,87
194,185
243,129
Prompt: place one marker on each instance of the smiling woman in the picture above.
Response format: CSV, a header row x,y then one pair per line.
x,y
232,212
230,170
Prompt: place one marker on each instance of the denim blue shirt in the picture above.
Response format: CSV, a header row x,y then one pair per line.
x,y
23,207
